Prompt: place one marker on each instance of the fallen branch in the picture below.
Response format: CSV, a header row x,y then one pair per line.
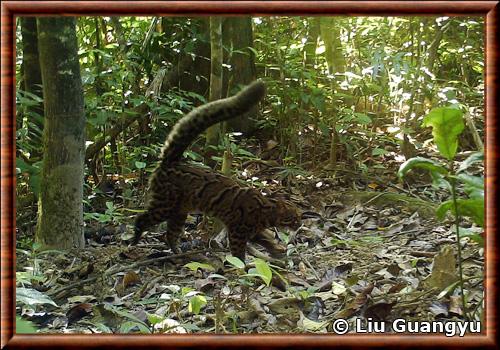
x,y
123,268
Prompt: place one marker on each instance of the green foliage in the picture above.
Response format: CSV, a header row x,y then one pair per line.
x,y
24,327
33,172
194,266
422,163
110,319
236,262
473,208
110,215
447,124
32,297
262,270
196,303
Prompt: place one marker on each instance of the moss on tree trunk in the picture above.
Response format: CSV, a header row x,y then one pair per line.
x,y
60,212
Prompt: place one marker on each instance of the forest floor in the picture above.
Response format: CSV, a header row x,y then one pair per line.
x,y
372,252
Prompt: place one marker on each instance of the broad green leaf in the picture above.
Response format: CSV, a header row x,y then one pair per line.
x,y
362,118
26,167
378,151
193,266
127,326
186,290
102,327
236,262
447,123
264,270
154,318
473,158
443,209
324,128
466,232
422,163
472,208
123,313
140,165
33,171
313,326
474,185
243,152
23,326
196,303
35,183
472,181
29,296
253,273
216,275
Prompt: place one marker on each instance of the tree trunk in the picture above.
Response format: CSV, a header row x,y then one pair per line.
x,y
335,59
32,76
192,65
330,32
239,37
60,215
213,132
312,42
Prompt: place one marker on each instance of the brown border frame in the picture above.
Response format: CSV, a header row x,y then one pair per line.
x,y
10,9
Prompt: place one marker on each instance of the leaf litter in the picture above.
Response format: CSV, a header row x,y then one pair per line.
x,y
352,258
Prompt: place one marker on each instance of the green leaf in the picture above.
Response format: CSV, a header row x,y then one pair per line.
x,y
474,185
154,318
472,208
25,167
32,297
127,326
196,303
134,320
422,163
186,290
23,326
362,118
447,123
263,270
243,152
378,151
110,206
140,165
443,209
466,232
216,276
236,262
194,266
473,158
33,172
323,127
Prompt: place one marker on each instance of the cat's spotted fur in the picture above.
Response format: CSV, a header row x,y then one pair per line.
x,y
177,188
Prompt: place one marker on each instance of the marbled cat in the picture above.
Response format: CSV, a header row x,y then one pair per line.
x,y
177,188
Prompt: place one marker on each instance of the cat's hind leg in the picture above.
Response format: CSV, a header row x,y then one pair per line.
x,y
237,244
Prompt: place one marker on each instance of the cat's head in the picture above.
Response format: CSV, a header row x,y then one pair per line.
x,y
287,214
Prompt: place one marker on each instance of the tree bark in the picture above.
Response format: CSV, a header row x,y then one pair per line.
x,y
335,59
32,76
213,132
239,36
312,42
60,215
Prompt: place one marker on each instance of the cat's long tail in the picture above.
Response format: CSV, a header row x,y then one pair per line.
x,y
199,119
